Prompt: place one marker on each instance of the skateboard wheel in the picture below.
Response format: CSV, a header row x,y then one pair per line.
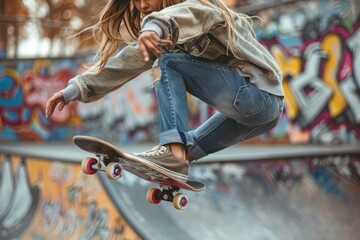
x,y
113,170
153,196
180,201
86,165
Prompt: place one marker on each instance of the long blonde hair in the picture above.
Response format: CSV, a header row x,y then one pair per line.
x,y
119,13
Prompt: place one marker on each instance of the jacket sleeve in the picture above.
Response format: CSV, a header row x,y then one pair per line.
x,y
121,68
185,21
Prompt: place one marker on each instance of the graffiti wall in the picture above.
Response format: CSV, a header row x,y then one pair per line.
x,y
317,46
315,42
26,85
43,199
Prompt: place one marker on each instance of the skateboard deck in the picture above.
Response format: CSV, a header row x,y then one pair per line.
x,y
114,162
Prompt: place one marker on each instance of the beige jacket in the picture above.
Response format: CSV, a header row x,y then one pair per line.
x,y
195,29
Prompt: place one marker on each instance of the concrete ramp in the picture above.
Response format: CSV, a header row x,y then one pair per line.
x,y
309,199
44,195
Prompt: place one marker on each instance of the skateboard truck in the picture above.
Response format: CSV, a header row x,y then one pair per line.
x,y
113,170
155,196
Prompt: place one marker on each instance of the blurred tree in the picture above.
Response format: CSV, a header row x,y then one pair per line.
x,y
64,18
56,20
11,24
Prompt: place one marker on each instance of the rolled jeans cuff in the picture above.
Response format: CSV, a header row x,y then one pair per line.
x,y
173,136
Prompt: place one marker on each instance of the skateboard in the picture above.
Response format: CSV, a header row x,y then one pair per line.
x,y
114,162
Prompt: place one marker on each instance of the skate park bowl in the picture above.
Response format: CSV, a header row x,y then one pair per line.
x,y
252,192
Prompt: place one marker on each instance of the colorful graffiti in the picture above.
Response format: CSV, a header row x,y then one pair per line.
x,y
25,88
53,200
320,80
128,114
322,84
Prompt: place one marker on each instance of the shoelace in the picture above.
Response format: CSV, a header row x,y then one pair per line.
x,y
155,152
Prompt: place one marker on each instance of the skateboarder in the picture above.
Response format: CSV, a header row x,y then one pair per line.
x,y
195,46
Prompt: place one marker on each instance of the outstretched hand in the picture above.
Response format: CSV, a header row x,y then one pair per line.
x,y
150,42
55,100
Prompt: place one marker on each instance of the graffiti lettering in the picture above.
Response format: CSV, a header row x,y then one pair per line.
x,y
327,89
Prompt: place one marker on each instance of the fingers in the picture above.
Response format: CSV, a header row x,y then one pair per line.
x,y
165,42
50,106
56,99
61,106
148,46
144,51
150,42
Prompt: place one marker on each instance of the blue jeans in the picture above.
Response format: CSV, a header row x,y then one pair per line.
x,y
243,111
